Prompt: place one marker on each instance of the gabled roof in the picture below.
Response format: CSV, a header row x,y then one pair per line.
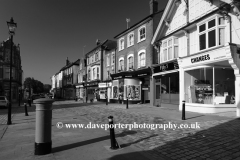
x,y
138,24
71,64
166,12
110,44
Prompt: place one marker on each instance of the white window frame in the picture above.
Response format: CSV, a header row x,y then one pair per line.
x,y
96,56
120,59
140,28
130,55
167,48
80,68
139,60
113,58
121,46
108,60
129,44
207,30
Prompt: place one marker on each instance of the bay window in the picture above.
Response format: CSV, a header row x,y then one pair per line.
x,y
170,49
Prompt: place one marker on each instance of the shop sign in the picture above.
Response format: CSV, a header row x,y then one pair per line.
x,y
92,84
102,85
143,74
128,76
213,55
145,89
119,77
200,58
166,67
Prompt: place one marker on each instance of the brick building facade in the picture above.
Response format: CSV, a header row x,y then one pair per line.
x,y
134,57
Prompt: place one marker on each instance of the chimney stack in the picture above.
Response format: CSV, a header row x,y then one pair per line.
x,y
98,42
153,6
67,61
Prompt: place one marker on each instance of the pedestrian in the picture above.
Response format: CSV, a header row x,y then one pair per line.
x,y
29,101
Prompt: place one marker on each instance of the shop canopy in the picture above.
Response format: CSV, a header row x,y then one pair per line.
x,y
132,74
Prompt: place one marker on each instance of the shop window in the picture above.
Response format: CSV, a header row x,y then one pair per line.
x,y
170,49
115,92
200,88
133,92
211,33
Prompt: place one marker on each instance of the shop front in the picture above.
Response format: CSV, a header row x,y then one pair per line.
x,y
209,81
80,91
105,88
69,92
92,90
166,86
131,84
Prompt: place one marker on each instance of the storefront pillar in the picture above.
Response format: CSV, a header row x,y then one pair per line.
x,y
181,88
237,94
152,91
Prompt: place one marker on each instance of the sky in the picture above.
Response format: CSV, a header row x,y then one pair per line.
x,y
49,31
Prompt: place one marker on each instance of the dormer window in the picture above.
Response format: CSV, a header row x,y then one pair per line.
x,y
142,33
130,39
121,44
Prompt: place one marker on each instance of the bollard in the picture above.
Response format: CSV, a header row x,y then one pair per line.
x,y
43,131
106,100
25,106
127,103
114,144
183,110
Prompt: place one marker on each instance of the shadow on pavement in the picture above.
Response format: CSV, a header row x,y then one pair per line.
x,y
95,140
219,142
195,117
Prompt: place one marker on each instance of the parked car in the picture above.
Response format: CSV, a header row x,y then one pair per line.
x,y
4,101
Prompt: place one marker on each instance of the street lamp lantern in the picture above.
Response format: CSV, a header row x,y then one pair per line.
x,y
12,26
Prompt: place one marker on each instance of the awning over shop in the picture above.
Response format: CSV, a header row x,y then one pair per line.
x,y
132,74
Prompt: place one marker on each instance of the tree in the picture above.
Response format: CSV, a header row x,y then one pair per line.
x,y
36,85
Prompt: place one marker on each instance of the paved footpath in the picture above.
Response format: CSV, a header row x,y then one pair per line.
x,y
217,138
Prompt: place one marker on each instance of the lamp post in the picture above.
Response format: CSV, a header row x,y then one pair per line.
x,y
12,27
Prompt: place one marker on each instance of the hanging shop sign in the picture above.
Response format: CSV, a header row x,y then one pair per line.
x,y
166,67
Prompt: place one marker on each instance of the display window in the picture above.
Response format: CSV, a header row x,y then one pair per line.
x,y
210,85
133,92
115,92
